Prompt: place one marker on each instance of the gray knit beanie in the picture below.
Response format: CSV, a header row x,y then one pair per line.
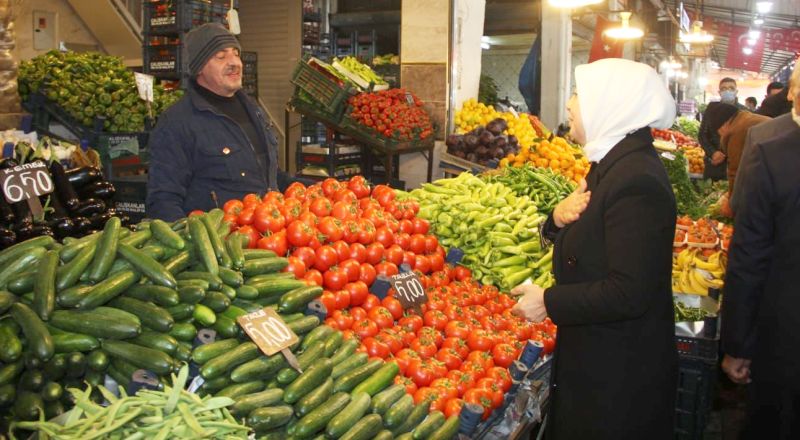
x,y
204,41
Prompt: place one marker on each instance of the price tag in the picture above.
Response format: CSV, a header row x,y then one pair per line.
x,y
27,182
266,328
668,155
144,83
410,99
409,290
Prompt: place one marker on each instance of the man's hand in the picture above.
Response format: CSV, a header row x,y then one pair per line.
x,y
531,305
571,208
717,158
737,369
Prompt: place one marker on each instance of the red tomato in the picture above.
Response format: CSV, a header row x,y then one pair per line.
x,y
232,206
425,347
481,358
246,216
431,244
251,236
446,387
334,279
251,200
458,345
352,268
273,197
343,318
367,274
267,217
432,334
482,397
376,348
358,292
342,299
450,358
437,263
494,389
298,233
345,195
375,252
386,268
344,210
295,191
406,227
359,185
365,328
366,235
408,383
403,240
381,316
421,373
394,254
435,319
463,381
422,264
325,257
457,329
370,302
501,376
384,236
276,243
479,340
330,186
329,301
331,228
462,273
296,266
308,218
421,226
321,207
394,306
358,252
417,244
306,255
411,323
453,407
314,277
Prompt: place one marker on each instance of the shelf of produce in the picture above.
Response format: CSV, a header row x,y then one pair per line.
x,y
172,17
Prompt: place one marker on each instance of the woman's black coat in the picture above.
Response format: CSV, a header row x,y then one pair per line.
x,y
615,368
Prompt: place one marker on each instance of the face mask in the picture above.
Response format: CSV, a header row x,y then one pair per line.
x,y
728,96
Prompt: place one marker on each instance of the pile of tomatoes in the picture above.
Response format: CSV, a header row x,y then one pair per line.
x,y
679,138
393,113
339,235
456,349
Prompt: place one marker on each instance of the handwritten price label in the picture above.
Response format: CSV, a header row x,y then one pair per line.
x,y
409,290
268,331
25,182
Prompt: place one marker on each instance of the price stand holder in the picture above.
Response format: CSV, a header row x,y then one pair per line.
x,y
27,182
268,330
408,290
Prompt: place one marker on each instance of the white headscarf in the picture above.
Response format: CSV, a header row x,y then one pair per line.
x,y
617,97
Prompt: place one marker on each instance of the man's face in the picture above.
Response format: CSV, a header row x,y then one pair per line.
x,y
728,86
222,74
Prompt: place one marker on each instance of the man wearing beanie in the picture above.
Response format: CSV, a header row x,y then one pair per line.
x,y
216,143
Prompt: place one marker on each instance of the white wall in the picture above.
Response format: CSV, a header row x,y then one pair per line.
x,y
69,27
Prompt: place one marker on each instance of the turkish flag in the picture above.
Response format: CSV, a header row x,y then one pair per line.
x,y
783,39
602,46
737,40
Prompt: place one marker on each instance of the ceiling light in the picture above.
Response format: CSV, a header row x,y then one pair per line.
x,y
763,7
751,42
747,50
758,21
485,39
702,81
486,46
754,34
697,36
624,31
572,3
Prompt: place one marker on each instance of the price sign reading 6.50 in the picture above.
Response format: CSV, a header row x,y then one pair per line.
x,y
267,330
409,290
26,181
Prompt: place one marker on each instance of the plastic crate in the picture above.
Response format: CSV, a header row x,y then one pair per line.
x,y
249,58
696,381
130,196
300,103
462,164
175,16
327,93
164,61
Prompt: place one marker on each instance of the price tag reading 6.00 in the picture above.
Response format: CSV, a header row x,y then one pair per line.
x,y
268,331
408,289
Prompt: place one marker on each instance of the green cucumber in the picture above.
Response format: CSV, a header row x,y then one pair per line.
x,y
365,429
216,301
271,417
191,294
211,223
6,299
214,281
305,359
44,285
234,312
56,367
245,404
157,341
412,419
149,314
204,315
183,331
202,245
297,299
21,283
220,365
108,289
304,325
143,357
231,277
137,238
248,306
349,416
214,385
314,398
52,391
348,381
22,263
431,423
178,262
447,430
9,372
28,405
163,296
205,353
69,274
319,417
378,380
351,363
148,266
257,279
184,352
246,292
344,352
256,254
39,339
275,287
71,250
181,311
71,296
311,378
386,398
226,327
229,291
13,253
320,333
234,247
10,345
237,390
264,265
76,365
8,394
163,233
106,251
263,368
333,342
384,435
398,413
69,342
98,360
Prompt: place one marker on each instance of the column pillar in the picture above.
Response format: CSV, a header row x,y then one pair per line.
x,y
556,64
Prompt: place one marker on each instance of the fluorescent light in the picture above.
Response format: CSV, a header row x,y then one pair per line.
x,y
624,31
702,81
697,36
751,42
763,7
747,50
486,46
484,39
758,21
754,34
572,3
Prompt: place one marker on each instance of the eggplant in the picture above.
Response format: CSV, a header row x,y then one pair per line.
x,y
470,141
499,141
453,140
100,189
498,153
497,126
62,227
99,220
478,130
482,151
486,138
22,214
90,207
79,177
30,231
6,213
8,162
63,187
7,238
512,140
81,226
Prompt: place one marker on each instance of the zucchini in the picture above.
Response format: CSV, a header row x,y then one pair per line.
x,y
365,429
9,372
8,394
319,417
220,365
351,363
163,233
108,289
36,334
271,417
56,367
231,277
204,315
28,406
157,341
297,299
263,367
163,296
71,296
314,398
181,311
379,380
70,342
264,265
431,423
183,331
205,353
344,352
10,345
106,250
447,430
247,403
6,299
216,301
398,413
202,245
149,314
386,398
69,274
184,352
311,378
142,357
351,379
214,385
333,342
191,294
148,266
52,391
237,390
320,333
352,413
76,365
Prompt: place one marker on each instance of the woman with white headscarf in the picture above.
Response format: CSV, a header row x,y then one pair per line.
x,y
615,368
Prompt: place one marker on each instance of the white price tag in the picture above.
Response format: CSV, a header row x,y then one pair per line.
x,y
144,83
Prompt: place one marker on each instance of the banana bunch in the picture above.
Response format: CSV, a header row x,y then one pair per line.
x,y
362,70
694,275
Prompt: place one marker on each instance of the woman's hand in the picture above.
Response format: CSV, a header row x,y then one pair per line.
x,y
531,305
571,208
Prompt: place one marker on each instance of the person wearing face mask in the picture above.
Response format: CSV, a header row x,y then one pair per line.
x,y
760,314
615,368
215,144
715,159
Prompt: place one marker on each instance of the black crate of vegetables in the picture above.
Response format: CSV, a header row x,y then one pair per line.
x,y
81,203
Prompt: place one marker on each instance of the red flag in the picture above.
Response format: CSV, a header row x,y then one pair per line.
x,y
737,42
602,46
783,39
